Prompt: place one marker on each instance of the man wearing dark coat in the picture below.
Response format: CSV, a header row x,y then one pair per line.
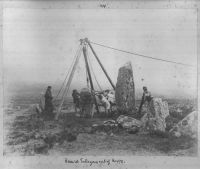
x,y
48,101
76,99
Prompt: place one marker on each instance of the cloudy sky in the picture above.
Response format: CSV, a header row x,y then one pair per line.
x,y
40,44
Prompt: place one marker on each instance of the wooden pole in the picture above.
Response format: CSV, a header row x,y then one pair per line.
x,y
90,77
104,70
69,82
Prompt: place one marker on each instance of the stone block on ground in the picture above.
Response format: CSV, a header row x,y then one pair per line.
x,y
187,126
128,122
108,126
125,89
110,123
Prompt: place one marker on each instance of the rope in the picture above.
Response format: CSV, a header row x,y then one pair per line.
x,y
76,55
87,80
68,83
67,87
94,74
145,56
87,76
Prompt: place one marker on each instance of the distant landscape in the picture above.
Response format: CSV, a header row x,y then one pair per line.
x,y
26,95
18,128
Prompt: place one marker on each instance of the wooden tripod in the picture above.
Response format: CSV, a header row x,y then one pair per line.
x,y
83,44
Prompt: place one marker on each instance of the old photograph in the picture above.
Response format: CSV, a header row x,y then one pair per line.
x,y
100,82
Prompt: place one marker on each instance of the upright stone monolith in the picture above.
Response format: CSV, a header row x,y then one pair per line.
x,y
157,112
125,89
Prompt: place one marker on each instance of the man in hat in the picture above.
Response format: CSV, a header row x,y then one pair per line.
x,y
145,97
76,99
48,101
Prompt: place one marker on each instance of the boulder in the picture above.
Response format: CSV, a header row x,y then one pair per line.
x,y
109,126
125,89
110,123
86,102
128,122
187,126
159,108
154,119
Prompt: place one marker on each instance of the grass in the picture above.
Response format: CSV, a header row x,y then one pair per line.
x,y
99,143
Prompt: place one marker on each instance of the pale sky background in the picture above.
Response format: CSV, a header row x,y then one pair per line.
x,y
39,46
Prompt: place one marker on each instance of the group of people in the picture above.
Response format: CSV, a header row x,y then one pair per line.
x,y
105,98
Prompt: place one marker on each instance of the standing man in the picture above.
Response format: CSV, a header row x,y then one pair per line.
x,y
76,99
111,98
48,101
105,104
145,97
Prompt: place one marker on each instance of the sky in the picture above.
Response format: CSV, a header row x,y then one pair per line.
x,y
40,44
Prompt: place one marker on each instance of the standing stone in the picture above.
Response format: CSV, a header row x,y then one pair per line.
x,y
155,118
42,101
125,89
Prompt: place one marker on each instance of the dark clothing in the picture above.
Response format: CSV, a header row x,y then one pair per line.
x,y
76,98
48,101
86,98
147,96
86,102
